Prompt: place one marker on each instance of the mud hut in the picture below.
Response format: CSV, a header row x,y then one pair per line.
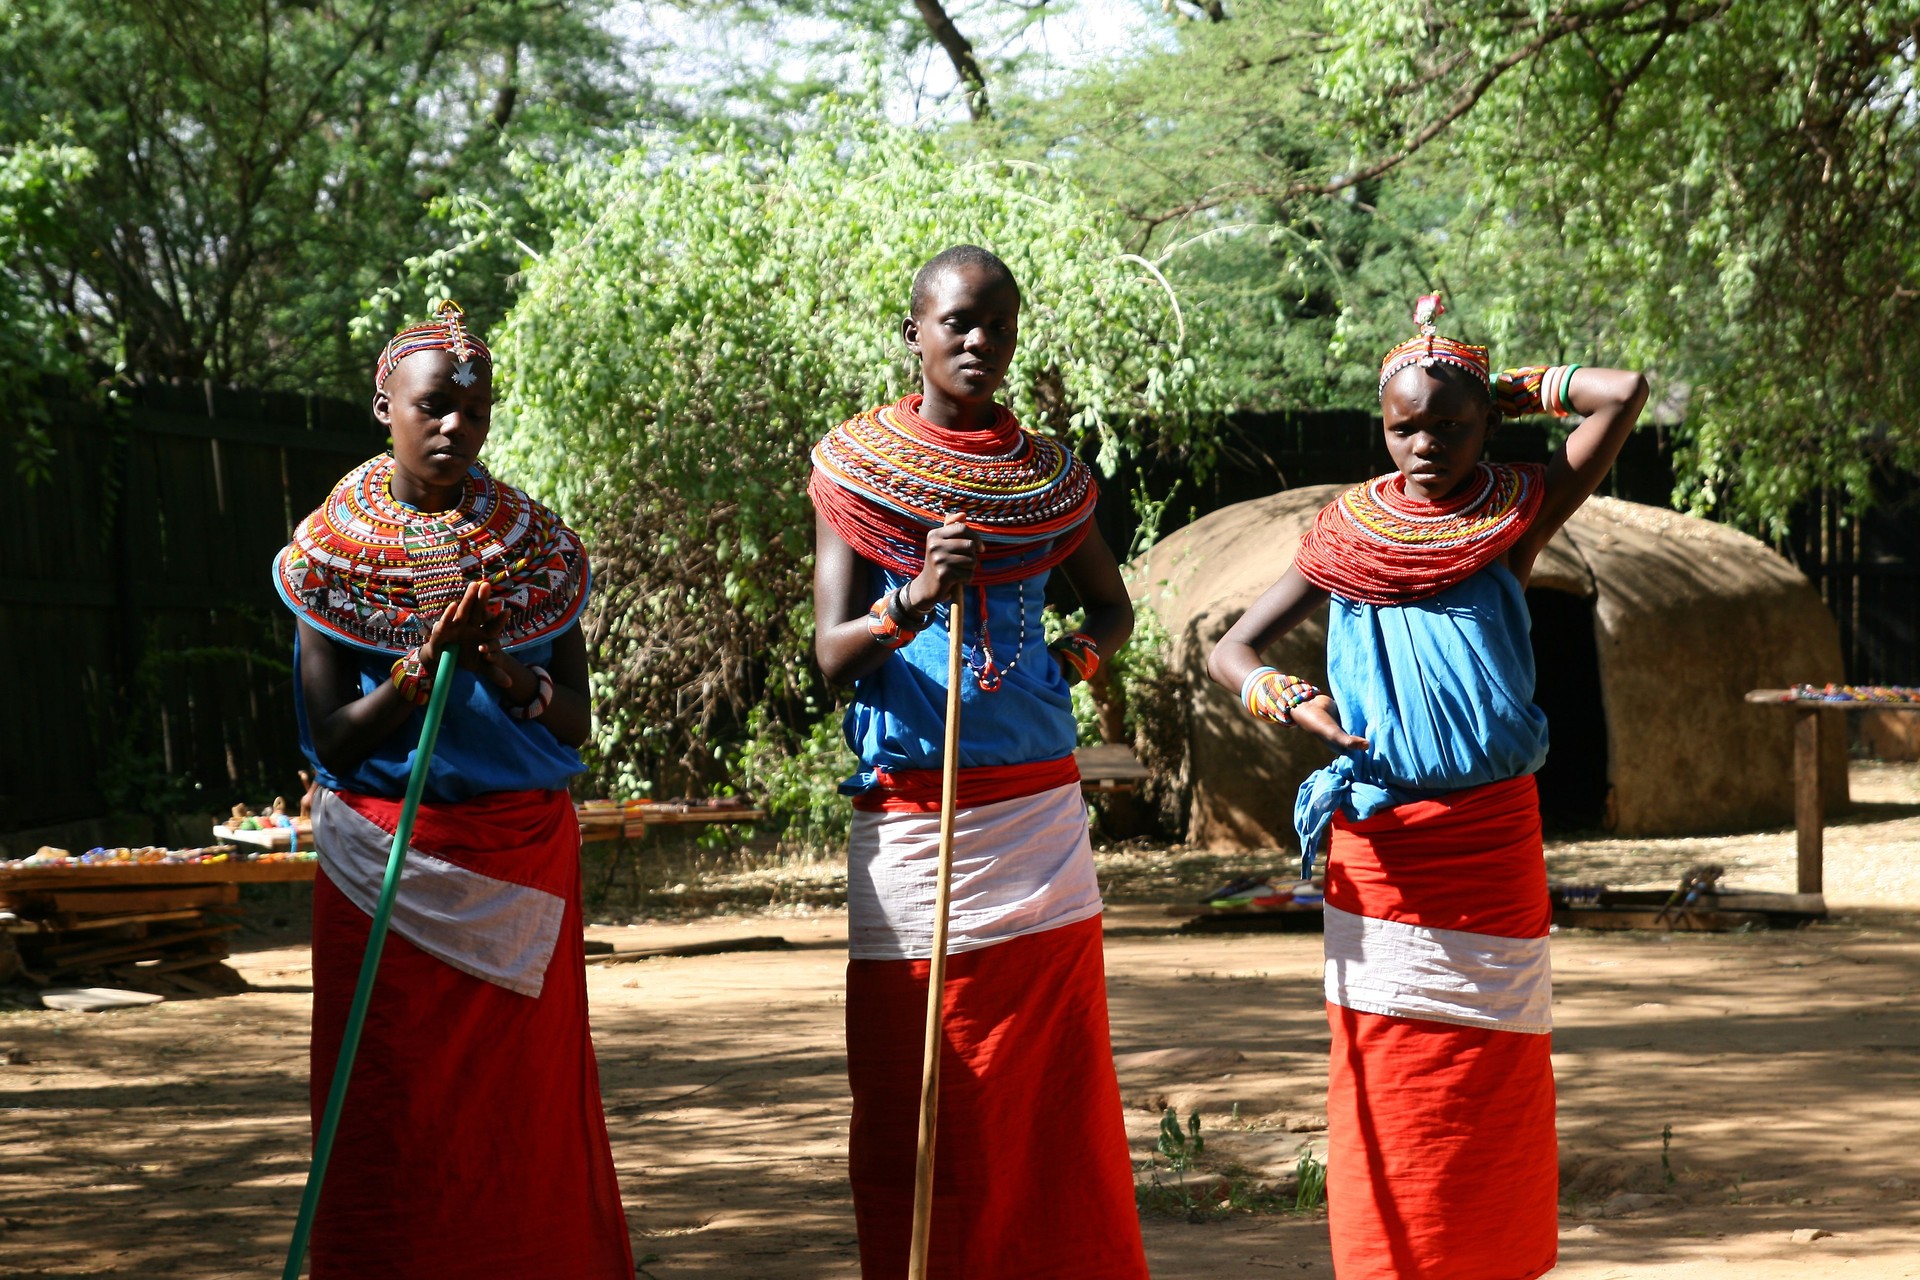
x,y
1649,627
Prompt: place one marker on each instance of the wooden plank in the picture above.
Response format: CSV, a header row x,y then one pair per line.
x,y
1808,817
106,900
145,917
141,947
1690,920
720,947
126,875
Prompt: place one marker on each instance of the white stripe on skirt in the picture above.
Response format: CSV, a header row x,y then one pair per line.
x,y
1443,975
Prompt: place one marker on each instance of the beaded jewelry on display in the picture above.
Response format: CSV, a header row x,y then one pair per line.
x,y
1080,652
1268,694
1432,348
1531,389
542,697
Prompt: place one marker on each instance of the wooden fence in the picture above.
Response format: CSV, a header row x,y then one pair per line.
x,y
146,652
147,655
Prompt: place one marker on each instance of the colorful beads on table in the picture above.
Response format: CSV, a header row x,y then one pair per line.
x,y
1865,693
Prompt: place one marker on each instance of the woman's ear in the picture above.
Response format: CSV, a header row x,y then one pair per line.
x,y
383,408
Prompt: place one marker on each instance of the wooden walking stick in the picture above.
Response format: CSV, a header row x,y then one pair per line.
x,y
369,966
937,975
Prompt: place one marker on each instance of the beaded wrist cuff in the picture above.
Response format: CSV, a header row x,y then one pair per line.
x,y
542,697
885,625
1080,653
1531,389
409,675
1268,694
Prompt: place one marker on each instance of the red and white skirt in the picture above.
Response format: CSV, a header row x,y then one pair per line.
x,y
1443,1162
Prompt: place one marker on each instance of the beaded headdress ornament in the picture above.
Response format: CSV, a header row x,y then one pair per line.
x,y
1430,348
447,331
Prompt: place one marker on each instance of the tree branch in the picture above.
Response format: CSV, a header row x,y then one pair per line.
x,y
960,53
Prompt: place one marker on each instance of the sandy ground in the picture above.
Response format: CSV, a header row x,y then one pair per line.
x,y
170,1141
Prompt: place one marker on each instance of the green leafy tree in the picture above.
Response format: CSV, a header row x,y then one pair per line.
x,y
1216,144
704,315
1727,194
259,165
37,199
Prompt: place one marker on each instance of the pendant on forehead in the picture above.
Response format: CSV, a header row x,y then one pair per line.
x,y
463,373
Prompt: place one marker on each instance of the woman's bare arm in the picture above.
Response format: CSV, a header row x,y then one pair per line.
x,y
1611,399
1285,605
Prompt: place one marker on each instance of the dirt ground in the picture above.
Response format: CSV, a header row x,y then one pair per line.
x,y
1784,1068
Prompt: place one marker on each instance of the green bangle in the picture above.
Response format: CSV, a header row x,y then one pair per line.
x,y
1566,391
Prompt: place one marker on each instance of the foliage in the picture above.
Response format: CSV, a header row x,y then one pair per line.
x,y
704,315
1214,144
258,166
1726,194
37,184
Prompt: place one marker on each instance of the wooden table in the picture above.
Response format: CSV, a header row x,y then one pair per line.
x,y
1109,767
131,875
1809,815
631,824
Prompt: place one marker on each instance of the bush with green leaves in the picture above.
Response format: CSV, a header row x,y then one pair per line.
x,y
702,315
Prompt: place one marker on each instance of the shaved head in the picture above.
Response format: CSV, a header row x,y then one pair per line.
x,y
959,257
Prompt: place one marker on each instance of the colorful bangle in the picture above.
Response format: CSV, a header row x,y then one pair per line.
x,y
1517,393
542,696
409,676
890,622
1081,653
1534,388
1267,694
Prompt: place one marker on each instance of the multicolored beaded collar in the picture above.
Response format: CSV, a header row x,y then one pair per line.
x,y
885,478
372,572
1375,545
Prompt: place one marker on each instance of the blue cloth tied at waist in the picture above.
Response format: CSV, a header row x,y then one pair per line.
x,y
1441,689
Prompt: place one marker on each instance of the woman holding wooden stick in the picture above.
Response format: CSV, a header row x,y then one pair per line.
x,y
937,513
471,1144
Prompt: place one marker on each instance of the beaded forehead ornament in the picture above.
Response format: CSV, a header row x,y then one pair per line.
x,y
1430,348
447,331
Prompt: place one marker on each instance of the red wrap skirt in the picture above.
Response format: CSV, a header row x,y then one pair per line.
x,y
1032,1175
1443,1163
472,1145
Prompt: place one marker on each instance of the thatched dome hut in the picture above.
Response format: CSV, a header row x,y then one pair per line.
x,y
1649,627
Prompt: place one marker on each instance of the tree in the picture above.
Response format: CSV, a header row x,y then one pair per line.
x,y
259,165
704,315
37,199
1727,194
1217,147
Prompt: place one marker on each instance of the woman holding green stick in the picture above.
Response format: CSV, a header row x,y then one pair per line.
x,y
472,1141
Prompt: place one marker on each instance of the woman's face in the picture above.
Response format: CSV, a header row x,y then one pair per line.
x,y
438,426
1436,429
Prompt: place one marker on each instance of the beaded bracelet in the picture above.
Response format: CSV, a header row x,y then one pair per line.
x,y
891,623
409,676
1080,652
1532,389
542,697
1267,694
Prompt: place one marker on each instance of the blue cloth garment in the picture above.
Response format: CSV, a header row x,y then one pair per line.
x,y
899,712
481,749
1442,690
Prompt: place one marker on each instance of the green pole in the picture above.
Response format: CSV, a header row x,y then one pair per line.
x,y
369,966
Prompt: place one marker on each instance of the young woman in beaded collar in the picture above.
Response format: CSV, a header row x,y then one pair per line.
x,y
1437,979
473,1143
1029,1106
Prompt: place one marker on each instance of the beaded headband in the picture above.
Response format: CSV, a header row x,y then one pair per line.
x,y
1430,348
447,331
